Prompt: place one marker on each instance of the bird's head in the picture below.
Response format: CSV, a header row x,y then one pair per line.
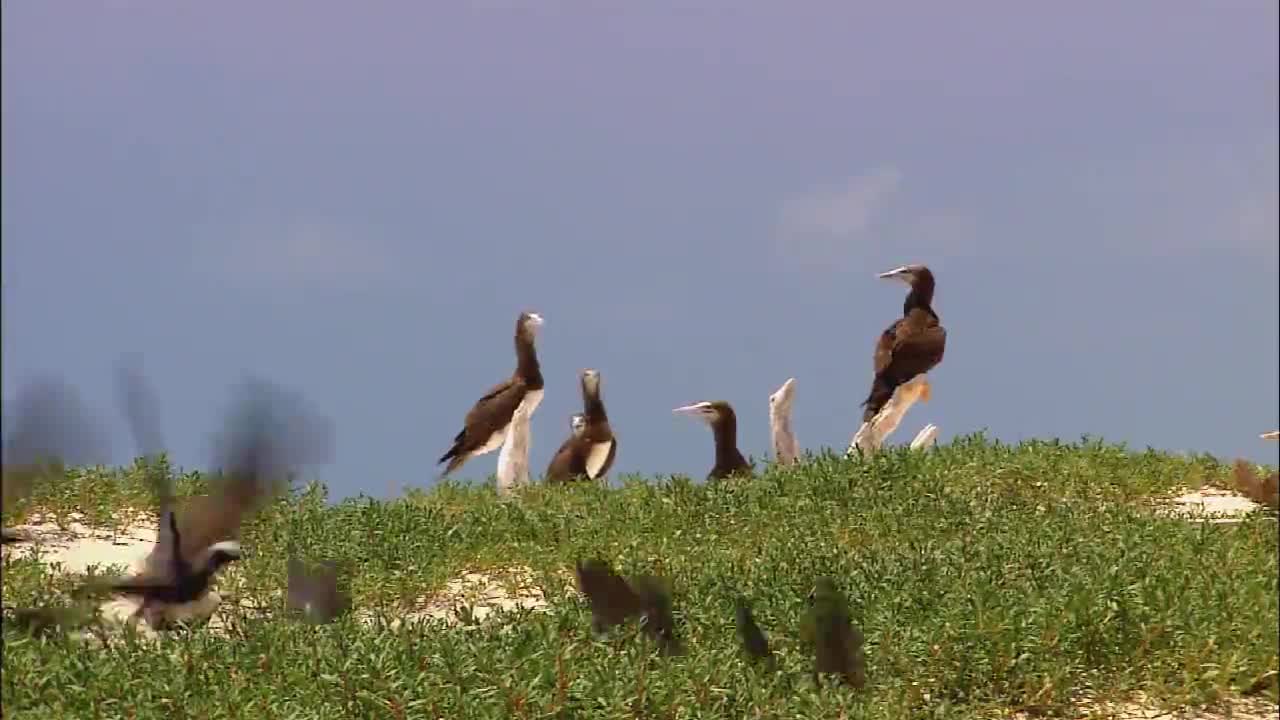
x,y
908,274
780,400
591,381
577,424
528,324
220,554
709,411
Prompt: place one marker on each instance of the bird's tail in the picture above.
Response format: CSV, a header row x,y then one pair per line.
x,y
882,389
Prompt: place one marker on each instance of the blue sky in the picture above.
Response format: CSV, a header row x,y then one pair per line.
x,y
355,201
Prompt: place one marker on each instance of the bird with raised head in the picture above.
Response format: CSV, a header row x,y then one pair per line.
x,y
484,429
913,345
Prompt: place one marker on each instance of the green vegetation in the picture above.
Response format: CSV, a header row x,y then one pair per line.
x,y
985,577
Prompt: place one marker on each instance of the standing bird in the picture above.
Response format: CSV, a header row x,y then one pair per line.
x,y
753,639
912,345
485,426
837,642
567,462
724,427
588,453
785,448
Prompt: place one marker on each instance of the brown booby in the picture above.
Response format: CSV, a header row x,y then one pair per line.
x,y
485,426
567,462
912,345
724,426
588,453
785,448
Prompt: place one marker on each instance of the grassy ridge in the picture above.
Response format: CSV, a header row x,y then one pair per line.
x,y
986,577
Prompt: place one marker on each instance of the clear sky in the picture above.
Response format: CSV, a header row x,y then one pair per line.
x,y
355,200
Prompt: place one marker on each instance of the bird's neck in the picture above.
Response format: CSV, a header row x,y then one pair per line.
x,y
527,362
920,298
726,435
593,407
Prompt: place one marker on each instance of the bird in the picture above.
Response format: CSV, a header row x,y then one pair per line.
x,y
656,616
249,449
485,426
314,591
48,429
567,462
614,600
724,427
785,448
589,452
836,641
913,345
754,642
599,442
184,582
267,434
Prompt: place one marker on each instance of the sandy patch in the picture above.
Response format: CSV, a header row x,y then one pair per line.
x,y
1210,505
1139,707
76,547
474,597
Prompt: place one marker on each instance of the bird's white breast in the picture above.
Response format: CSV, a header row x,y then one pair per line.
x,y
597,456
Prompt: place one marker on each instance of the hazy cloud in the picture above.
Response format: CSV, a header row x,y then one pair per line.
x,y
844,209
298,251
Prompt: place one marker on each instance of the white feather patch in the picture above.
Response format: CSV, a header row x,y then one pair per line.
x,y
597,456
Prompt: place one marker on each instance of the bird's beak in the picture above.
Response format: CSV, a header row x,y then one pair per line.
x,y
783,391
898,273
699,409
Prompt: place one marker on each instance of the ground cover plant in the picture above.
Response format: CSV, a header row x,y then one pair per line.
x,y
987,578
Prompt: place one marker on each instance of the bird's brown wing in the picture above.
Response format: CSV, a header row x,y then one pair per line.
x,y
567,462
884,346
490,414
612,599
910,346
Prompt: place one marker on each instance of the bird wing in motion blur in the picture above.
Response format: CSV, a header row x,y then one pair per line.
x,y
612,599
754,642
48,429
315,591
836,642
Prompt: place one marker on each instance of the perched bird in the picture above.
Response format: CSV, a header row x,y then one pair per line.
x,y
785,448
837,642
567,462
589,452
912,345
753,638
485,426
724,427
314,591
598,441
48,428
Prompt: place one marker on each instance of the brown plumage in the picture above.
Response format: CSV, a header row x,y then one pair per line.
x,y
484,428
567,463
588,452
724,427
912,345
